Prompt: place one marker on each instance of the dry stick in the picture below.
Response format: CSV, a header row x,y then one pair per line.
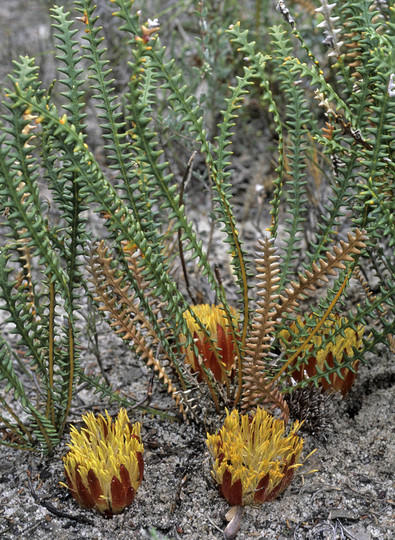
x,y
185,179
93,338
50,506
212,221
50,411
148,397
146,400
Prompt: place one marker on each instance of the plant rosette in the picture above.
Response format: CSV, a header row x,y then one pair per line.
x,y
254,461
104,466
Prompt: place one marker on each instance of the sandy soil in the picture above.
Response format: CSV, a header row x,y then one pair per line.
x,y
350,496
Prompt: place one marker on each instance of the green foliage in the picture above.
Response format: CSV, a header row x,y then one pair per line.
x,y
141,204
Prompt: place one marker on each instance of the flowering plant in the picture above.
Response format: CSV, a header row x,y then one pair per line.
x,y
219,360
330,355
104,466
254,461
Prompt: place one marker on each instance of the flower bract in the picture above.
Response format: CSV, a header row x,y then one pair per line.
x,y
254,461
330,355
104,466
218,355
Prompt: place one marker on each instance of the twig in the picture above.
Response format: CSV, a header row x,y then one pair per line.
x,y
93,337
347,531
185,179
213,524
50,506
147,398
213,222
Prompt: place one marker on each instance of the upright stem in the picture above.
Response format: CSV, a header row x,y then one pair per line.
x,y
50,412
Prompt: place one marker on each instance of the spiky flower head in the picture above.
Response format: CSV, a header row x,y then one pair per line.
x,y
330,355
219,359
254,461
104,466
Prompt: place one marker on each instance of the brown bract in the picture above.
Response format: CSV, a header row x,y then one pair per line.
x,y
329,355
254,461
104,466
217,351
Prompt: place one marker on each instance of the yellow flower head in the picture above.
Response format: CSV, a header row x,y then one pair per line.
x,y
215,321
254,461
104,466
333,351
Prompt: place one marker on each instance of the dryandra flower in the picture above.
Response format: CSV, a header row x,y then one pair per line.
x,y
254,461
331,352
104,466
217,326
